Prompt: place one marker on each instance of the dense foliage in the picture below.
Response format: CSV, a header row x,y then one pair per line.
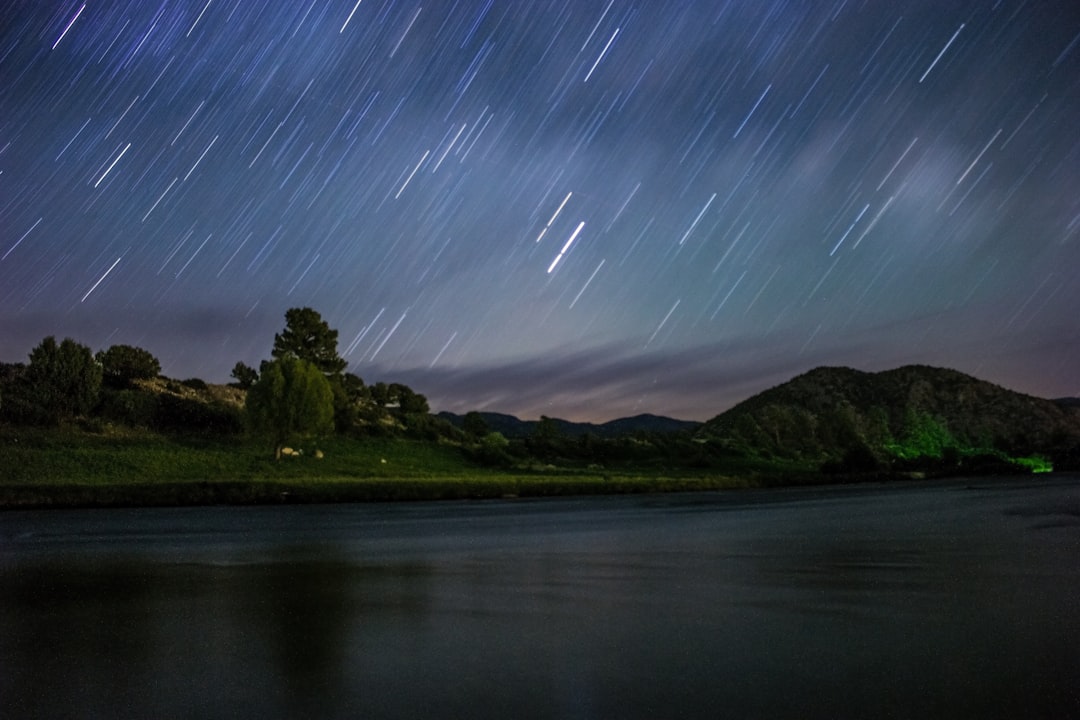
x,y
122,364
308,337
835,420
245,376
63,379
912,419
291,400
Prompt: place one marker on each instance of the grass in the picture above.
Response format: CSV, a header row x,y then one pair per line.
x,y
73,468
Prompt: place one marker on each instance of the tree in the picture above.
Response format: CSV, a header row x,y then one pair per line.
x,y
408,401
290,400
349,396
121,364
245,376
380,394
64,379
546,429
474,424
545,437
308,337
353,385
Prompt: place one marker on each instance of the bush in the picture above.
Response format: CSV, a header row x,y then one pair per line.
x,y
291,400
184,415
64,380
129,407
121,364
493,450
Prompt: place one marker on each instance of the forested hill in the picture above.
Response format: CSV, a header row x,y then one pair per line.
x,y
513,427
908,412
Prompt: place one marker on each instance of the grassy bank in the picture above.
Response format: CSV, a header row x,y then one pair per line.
x,y
73,468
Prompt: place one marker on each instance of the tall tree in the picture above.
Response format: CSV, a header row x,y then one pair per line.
x,y
408,400
308,337
244,375
121,364
475,425
292,399
64,379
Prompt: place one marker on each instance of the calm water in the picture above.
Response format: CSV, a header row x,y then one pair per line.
x,y
956,600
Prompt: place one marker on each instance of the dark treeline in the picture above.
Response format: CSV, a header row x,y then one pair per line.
x,y
302,392
67,383
835,421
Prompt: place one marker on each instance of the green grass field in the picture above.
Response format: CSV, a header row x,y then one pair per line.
x,y
71,467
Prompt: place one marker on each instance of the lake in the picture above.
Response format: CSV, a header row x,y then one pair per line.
x,y
918,600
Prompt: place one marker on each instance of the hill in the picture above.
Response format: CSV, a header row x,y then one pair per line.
x,y
911,412
515,428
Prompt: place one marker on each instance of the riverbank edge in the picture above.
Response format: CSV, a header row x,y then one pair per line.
x,y
409,489
347,490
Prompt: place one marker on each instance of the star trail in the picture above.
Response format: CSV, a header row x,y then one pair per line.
x,y
573,208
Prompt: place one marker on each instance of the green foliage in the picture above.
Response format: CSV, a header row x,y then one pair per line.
x,y
184,415
292,399
195,384
428,427
121,364
308,337
64,380
475,425
546,429
245,376
1035,463
168,413
407,400
129,407
924,436
380,394
493,449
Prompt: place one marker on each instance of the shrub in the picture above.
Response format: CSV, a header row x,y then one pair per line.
x,y
121,364
129,407
64,379
185,415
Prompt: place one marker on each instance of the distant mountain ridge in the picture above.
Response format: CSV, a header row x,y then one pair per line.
x,y
828,411
513,427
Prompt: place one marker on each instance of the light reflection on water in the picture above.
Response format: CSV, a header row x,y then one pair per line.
x,y
947,601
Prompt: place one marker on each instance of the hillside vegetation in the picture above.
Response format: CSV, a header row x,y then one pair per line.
x,y
83,429
898,419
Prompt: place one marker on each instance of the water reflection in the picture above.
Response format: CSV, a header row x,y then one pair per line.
x,y
929,602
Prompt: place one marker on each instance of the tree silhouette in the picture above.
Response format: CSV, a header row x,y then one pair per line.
x,y
64,379
244,375
474,424
121,364
308,337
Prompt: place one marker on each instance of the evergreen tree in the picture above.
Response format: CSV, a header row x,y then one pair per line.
x,y
308,337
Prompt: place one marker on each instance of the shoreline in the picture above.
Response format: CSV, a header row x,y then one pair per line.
x,y
346,490
239,493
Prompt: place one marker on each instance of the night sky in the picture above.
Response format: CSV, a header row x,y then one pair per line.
x,y
580,209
